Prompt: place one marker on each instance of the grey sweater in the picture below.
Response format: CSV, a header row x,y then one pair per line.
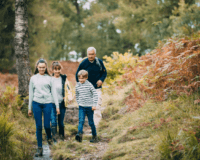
x,y
86,95
42,90
58,86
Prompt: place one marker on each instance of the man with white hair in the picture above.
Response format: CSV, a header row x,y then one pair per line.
x,y
96,75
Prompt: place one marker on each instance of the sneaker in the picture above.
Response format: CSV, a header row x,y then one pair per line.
x,y
39,152
94,139
78,137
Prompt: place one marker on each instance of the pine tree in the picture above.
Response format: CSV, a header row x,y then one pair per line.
x,y
7,19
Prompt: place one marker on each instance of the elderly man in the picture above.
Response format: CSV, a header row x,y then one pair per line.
x,y
96,75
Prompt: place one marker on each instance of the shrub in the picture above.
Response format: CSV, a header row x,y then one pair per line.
x,y
184,145
6,131
10,100
116,63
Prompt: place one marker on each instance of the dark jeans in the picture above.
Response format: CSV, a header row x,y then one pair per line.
x,y
38,108
89,112
61,116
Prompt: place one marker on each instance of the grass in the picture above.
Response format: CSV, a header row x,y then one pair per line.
x,y
143,133
159,130
71,149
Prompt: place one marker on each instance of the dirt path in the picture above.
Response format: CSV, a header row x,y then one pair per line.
x,y
101,149
101,145
46,153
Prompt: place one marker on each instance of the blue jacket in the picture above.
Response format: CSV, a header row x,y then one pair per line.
x,y
94,72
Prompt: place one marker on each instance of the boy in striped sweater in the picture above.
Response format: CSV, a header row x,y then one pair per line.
x,y
87,98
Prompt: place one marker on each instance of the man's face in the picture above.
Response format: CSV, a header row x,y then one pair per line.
x,y
91,55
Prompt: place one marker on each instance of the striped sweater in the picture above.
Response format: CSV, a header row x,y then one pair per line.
x,y
86,95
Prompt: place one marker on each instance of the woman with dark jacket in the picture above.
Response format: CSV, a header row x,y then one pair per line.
x,y
59,80
42,93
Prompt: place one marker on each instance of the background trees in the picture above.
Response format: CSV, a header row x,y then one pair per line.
x,y
58,27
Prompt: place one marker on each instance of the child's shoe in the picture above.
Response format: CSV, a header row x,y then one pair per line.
x,y
79,137
94,139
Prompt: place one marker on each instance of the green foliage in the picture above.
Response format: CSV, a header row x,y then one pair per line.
x,y
168,148
116,64
146,22
6,132
43,22
10,100
183,145
17,133
71,149
186,19
158,130
7,18
70,130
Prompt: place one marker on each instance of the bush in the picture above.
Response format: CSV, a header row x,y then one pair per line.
x,y
16,131
10,100
6,131
184,145
116,63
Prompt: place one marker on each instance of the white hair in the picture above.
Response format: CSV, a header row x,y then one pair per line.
x,y
91,49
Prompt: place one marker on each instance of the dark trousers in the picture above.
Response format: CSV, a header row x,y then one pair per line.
x,y
38,108
61,116
89,112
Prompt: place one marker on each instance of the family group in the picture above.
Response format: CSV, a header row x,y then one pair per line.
x,y
47,97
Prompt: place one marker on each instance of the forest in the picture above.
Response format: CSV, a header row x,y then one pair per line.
x,y
151,95
58,27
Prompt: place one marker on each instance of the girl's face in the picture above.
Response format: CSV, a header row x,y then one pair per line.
x,y
41,68
57,71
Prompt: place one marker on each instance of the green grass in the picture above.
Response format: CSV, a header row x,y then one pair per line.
x,y
71,149
143,134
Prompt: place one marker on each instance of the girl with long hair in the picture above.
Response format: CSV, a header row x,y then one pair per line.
x,y
42,93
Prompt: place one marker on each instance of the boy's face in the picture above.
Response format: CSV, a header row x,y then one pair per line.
x,y
82,79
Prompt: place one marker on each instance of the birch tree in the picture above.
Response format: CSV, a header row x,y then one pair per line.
x,y
21,46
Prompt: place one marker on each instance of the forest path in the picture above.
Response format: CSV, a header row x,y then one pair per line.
x,y
101,146
46,153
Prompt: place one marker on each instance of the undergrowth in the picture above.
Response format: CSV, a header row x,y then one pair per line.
x,y
158,130
17,132
72,149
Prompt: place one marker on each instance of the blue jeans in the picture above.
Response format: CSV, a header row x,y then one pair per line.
x,y
61,116
89,112
38,108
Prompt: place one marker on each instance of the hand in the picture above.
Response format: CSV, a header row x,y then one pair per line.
x,y
99,83
29,113
93,108
58,111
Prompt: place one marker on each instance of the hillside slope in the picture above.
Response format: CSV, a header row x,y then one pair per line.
x,y
154,113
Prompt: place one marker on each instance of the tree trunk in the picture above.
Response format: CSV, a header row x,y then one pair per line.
x,y
21,47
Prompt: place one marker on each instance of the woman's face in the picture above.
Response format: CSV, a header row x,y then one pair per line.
x,y
57,71
42,68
